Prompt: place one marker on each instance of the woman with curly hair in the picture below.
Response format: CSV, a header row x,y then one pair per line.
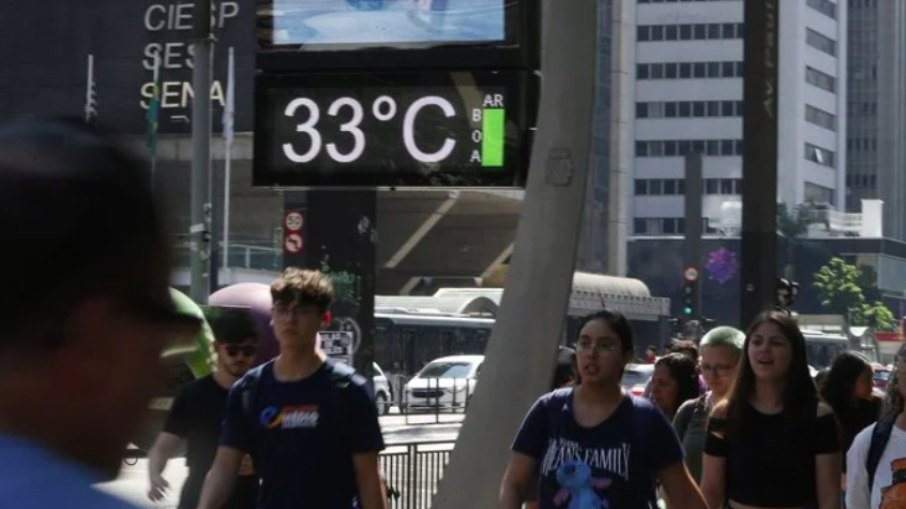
x,y
876,462
675,381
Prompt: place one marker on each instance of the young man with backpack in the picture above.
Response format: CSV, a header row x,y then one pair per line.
x,y
875,473
309,423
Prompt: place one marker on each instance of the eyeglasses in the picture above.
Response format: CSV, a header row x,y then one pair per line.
x,y
587,345
233,350
717,369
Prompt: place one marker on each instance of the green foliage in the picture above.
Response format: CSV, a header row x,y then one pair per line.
x,y
840,291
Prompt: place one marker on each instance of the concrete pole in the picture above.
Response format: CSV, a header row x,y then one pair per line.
x,y
200,225
622,107
521,354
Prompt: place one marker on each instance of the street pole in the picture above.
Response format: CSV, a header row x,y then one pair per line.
x,y
521,354
200,225
692,244
759,164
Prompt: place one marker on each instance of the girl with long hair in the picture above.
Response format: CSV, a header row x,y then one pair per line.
x,y
876,462
848,390
593,445
772,443
721,349
675,381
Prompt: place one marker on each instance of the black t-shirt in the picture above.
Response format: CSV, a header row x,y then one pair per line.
x,y
303,434
196,416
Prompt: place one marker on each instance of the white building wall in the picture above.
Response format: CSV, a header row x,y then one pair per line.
x,y
795,93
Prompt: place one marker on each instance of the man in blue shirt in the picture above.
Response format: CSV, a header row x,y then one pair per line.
x,y
310,424
86,312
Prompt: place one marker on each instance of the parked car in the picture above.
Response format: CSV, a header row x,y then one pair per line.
x,y
383,393
636,377
447,382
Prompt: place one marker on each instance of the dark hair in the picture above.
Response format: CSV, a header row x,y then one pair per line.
x,y
232,324
685,347
565,372
682,369
838,388
77,211
800,395
618,323
651,347
301,286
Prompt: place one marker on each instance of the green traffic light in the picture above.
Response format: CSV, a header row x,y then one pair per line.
x,y
687,310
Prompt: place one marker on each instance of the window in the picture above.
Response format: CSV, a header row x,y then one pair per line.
x,y
655,110
673,148
820,117
670,71
821,80
641,149
820,155
657,33
740,108
726,186
729,30
641,71
713,148
818,194
714,31
685,146
654,187
685,32
685,109
699,69
641,110
728,70
672,33
698,109
685,70
641,187
670,110
713,108
727,108
680,186
700,31
726,147
714,70
824,7
737,147
644,33
670,226
710,186
657,71
821,42
670,186
639,226
670,147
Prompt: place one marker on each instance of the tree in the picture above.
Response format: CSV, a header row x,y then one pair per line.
x,y
840,292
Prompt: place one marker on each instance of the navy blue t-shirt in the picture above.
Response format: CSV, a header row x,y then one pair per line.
x,y
302,436
613,464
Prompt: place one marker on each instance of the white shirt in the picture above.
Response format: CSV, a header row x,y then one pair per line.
x,y
857,496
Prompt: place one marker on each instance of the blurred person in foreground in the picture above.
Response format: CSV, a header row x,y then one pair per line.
x,y
86,313
197,413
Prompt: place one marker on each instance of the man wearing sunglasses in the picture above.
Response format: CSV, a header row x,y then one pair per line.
x,y
197,414
85,313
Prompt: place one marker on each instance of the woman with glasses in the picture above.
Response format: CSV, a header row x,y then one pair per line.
x,y
876,462
593,445
675,381
772,443
720,349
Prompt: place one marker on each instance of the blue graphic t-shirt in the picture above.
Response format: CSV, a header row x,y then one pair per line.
x,y
612,465
302,436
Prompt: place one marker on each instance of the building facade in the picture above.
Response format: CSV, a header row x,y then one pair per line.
x,y
688,97
876,109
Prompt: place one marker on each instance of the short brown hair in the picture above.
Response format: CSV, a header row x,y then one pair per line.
x,y
302,286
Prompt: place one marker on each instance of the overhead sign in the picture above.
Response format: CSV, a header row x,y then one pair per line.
x,y
337,345
454,129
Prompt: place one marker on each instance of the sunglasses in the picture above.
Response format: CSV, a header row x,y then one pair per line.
x,y
233,350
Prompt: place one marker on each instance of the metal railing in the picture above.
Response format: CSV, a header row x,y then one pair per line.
x,y
439,397
414,472
244,254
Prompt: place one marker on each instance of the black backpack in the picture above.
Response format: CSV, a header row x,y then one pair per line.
x,y
879,438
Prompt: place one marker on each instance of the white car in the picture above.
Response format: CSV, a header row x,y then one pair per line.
x,y
447,382
383,395
636,378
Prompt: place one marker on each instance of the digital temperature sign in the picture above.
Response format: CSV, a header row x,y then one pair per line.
x,y
447,129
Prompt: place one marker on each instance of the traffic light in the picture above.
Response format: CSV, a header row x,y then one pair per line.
x,y
689,300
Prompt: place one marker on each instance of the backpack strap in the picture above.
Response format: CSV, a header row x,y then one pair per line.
x,y
879,438
249,389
